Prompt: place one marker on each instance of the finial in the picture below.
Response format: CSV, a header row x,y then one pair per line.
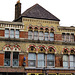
x,y
18,1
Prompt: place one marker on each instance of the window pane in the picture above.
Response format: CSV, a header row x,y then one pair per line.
x,y
65,64
51,34
50,63
40,63
65,57
31,63
41,59
50,57
17,32
15,59
35,35
31,56
31,59
46,36
71,58
30,33
71,64
7,59
41,36
16,36
6,33
51,39
12,33
40,56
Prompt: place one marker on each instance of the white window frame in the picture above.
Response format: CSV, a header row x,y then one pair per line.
x,y
42,60
32,60
51,60
36,35
51,37
30,35
66,61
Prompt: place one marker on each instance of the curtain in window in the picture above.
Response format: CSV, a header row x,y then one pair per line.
x,y
46,36
6,33
51,36
65,60
72,61
32,59
50,59
41,60
35,35
12,33
17,33
41,36
30,35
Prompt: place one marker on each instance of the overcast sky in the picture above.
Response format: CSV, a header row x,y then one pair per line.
x,y
62,9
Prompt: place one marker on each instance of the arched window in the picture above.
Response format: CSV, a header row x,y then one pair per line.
x,y
51,57
52,35
46,34
36,33
72,58
32,56
65,58
41,35
30,33
41,57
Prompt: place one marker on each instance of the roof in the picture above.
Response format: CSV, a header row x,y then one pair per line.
x,y
39,12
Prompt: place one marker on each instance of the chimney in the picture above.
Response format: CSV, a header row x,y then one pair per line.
x,y
17,9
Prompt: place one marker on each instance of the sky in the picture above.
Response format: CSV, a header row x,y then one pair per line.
x,y
62,9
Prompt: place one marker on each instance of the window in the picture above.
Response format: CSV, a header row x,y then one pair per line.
x,y
51,36
15,59
72,61
72,37
16,33
67,37
30,35
46,36
41,36
31,59
12,33
65,60
63,36
7,59
41,60
7,33
35,35
50,59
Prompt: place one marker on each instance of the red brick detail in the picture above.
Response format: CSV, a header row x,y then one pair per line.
x,y
2,33
21,57
57,36
23,34
58,61
1,59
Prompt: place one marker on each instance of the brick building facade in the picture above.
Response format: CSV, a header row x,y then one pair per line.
x,y
35,44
